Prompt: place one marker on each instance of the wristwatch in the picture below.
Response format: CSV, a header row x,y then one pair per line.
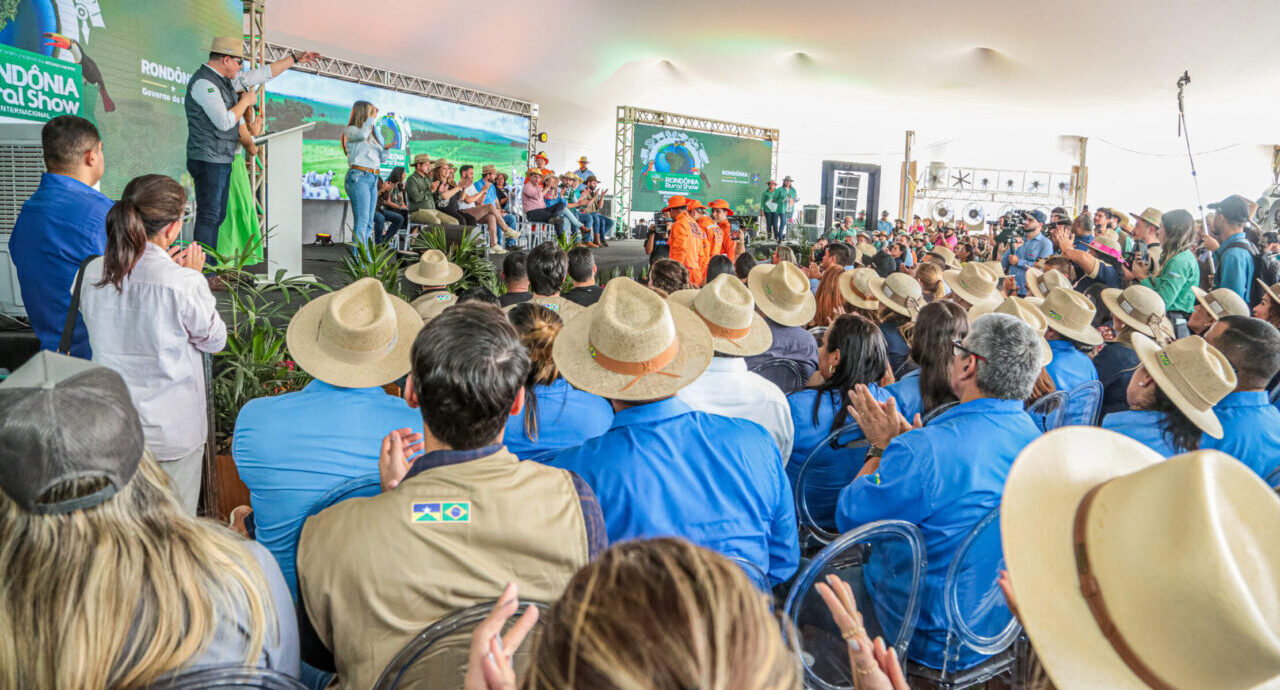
x,y
874,452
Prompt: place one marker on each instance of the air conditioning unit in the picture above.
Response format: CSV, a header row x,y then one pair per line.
x,y
21,165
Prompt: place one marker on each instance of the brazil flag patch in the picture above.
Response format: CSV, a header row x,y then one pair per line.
x,y
439,511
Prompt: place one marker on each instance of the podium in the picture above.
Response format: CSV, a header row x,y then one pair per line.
x,y
283,213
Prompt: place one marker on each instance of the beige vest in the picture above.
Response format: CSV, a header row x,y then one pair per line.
x,y
373,572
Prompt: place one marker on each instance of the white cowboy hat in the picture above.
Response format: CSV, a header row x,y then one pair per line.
x,y
565,309
948,257
1071,314
899,292
974,284
782,292
431,304
855,288
1025,311
1109,546
356,337
1221,302
994,269
1039,283
1273,291
434,269
729,310
1140,308
632,345
1192,373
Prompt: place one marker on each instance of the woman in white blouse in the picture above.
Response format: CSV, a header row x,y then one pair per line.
x,y
365,154
150,315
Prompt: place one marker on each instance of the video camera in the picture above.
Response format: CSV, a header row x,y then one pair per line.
x,y
1011,224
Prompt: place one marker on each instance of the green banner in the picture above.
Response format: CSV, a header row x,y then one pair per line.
x,y
34,87
704,166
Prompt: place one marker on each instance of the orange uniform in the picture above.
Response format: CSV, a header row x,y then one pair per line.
x,y
710,240
686,239
727,246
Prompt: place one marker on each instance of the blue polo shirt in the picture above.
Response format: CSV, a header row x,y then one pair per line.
x,y
1144,426
790,342
63,222
896,346
490,197
1070,368
1082,242
906,392
1251,431
944,478
1032,250
663,469
1235,266
832,469
1115,363
287,471
566,417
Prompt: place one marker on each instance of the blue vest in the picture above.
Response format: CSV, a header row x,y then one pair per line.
x,y
204,141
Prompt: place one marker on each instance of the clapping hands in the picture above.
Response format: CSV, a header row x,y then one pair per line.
x,y
875,666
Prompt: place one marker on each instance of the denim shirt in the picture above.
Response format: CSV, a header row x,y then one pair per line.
x,y
1144,426
1251,431
566,418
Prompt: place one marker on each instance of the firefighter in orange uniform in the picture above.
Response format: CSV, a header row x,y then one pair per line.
x,y
726,243
685,239
698,212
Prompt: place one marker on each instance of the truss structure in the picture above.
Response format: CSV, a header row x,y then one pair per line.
x,y
254,44
977,195
624,146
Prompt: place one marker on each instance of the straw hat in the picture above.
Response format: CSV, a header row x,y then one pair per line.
x,y
356,337
486,169
993,269
866,249
1071,314
899,292
232,46
1180,558
1026,312
632,345
1107,245
1141,308
1273,291
439,163
431,304
855,288
782,293
1151,215
729,310
433,268
583,160
421,158
1221,302
974,284
1192,373
561,306
1039,283
948,257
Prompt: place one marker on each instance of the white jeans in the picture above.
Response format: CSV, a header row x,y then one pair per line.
x,y
185,473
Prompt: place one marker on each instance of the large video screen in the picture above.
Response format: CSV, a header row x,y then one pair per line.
x,y
415,124
122,63
704,166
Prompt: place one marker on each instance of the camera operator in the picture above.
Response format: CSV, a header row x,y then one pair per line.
x,y
1034,247
658,236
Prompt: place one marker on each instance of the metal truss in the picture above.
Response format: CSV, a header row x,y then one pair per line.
x,y
623,143
254,42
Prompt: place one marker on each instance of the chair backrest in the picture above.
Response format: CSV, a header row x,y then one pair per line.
x,y
1084,404
1274,395
818,333
884,563
1273,479
436,658
1049,411
784,373
825,472
229,677
978,616
364,485
754,572
932,414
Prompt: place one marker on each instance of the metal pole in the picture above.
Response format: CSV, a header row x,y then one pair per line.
x,y
1082,178
904,192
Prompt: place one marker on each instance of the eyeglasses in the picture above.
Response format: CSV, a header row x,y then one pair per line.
x,y
959,347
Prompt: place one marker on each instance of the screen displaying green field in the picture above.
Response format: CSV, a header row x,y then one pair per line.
x,y
704,166
464,135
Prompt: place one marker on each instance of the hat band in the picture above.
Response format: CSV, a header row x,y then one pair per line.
x,y
723,333
860,294
639,369
1092,592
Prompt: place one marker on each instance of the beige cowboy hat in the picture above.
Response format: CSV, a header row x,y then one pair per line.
x,y
855,288
866,249
1151,215
1071,314
565,309
1140,308
232,46
1273,291
948,257
782,292
433,268
974,284
421,158
1192,373
1179,557
1220,302
486,169
1039,283
729,310
993,268
431,304
1026,312
439,163
899,292
356,337
632,345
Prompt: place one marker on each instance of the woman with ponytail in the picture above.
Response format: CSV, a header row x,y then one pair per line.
x,y
1177,272
556,415
150,316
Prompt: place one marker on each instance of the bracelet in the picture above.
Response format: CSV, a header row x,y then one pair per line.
x,y
874,452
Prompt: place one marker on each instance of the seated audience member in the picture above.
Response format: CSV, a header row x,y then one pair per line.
x,y
784,253
1028,313
111,580
1099,261
726,387
582,271
946,476
478,293
852,354
1069,315
835,255
61,224
422,200
515,274
1212,306
942,257
782,296
670,276
973,286
664,469
151,317
1173,271
1172,394
719,264
888,260
353,341
855,287
548,265
1250,423
1268,309
900,300
742,266
535,204
932,286
928,385
1039,283
556,415
1136,309
828,301
434,272
455,505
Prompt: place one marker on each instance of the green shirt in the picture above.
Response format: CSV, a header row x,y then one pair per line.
x,y
418,189
1179,275
782,194
768,197
840,234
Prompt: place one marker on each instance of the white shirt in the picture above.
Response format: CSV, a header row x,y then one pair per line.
x,y
209,98
364,148
152,332
727,388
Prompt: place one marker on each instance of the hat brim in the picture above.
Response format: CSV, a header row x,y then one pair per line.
x,y
304,347
1033,280
1087,335
414,275
757,340
952,279
845,283
430,305
1275,299
572,355
566,309
1037,519
1206,420
783,316
876,286
1111,298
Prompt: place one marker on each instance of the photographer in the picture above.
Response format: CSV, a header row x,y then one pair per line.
x,y
658,237
1035,246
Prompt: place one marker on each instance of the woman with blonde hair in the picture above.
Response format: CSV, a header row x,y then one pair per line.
x,y
929,275
365,153
784,253
105,581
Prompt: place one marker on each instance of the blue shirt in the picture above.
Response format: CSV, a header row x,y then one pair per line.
x,y
1251,431
1070,368
944,478
1032,250
1082,242
63,222
790,342
895,345
1144,426
663,469
1235,266
831,469
288,469
1115,363
566,417
906,392
490,196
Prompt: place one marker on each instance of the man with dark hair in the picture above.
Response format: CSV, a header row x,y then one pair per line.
x,y
548,265
1234,256
1250,423
743,264
582,271
478,293
515,274
458,518
60,225
888,260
